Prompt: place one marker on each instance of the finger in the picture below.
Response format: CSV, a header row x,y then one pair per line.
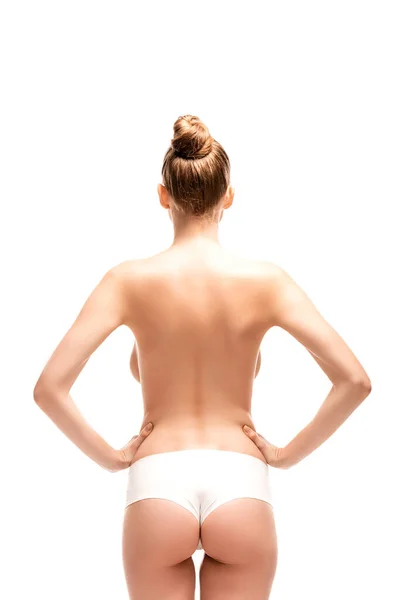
x,y
246,428
250,432
254,437
145,431
142,435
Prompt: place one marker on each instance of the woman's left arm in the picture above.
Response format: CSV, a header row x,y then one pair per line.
x,y
102,313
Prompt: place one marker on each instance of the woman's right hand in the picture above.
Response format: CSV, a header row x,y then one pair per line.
x,y
127,453
271,453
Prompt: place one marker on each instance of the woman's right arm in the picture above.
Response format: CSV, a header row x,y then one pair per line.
x,y
293,311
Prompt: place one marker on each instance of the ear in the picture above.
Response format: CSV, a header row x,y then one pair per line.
x,y
229,195
163,195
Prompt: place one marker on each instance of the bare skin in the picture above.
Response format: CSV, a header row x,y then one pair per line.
x,y
196,358
198,314
210,401
210,311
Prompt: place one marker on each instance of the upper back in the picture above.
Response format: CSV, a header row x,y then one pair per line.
x,y
198,316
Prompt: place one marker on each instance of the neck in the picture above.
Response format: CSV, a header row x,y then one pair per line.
x,y
193,230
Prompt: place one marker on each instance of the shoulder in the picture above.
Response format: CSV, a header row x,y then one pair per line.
x,y
118,280
259,269
124,271
271,273
128,278
277,286
272,269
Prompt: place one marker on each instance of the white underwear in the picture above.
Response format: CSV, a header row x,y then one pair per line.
x,y
199,479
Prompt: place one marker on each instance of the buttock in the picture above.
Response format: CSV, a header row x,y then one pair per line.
x,y
199,479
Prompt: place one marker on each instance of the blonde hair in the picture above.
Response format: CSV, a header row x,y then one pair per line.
x,y
196,169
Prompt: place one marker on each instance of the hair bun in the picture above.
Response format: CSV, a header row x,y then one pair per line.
x,y
191,138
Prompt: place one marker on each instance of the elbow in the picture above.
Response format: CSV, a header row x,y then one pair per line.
x,y
40,392
47,391
360,386
367,387
37,393
363,386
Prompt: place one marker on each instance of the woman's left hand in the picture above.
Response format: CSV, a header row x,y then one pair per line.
x,y
271,453
127,453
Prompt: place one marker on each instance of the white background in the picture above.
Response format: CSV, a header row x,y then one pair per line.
x,y
304,96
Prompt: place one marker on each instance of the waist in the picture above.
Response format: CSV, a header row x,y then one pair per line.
x,y
173,436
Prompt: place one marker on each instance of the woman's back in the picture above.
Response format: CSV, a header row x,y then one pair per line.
x,y
198,314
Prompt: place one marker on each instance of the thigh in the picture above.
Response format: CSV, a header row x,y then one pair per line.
x,y
159,538
240,542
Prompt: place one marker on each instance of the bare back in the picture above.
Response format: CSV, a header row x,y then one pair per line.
x,y
198,316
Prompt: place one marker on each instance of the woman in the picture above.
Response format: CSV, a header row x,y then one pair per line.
x,y
200,479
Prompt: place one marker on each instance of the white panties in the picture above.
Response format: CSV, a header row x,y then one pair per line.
x,y
199,479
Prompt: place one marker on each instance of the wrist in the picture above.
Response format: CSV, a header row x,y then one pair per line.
x,y
283,460
117,461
